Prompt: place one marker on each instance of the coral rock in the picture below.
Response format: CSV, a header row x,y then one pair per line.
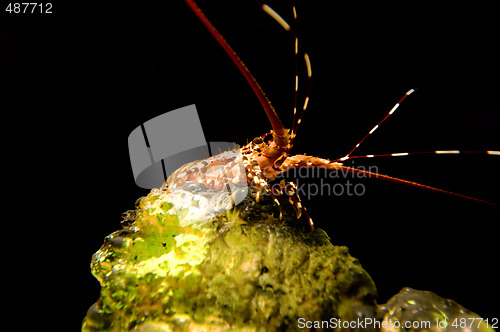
x,y
245,269
414,310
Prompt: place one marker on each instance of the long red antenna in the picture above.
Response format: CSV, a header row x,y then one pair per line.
x,y
303,161
278,128
413,184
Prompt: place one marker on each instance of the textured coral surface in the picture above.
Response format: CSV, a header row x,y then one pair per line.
x,y
415,310
243,270
180,264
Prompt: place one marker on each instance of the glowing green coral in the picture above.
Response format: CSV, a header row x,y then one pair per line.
x,y
243,270
186,269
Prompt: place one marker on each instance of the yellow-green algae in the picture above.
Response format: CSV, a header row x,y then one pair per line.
x,y
244,270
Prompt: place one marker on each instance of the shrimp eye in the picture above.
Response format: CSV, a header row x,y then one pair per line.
x,y
258,140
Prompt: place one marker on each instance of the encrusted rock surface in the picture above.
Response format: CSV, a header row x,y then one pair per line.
x,y
413,310
243,270
181,263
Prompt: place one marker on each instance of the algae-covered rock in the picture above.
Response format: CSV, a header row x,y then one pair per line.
x,y
245,269
413,310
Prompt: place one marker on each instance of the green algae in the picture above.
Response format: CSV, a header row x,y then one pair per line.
x,y
245,269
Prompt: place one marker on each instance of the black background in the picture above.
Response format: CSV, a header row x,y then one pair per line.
x,y
80,80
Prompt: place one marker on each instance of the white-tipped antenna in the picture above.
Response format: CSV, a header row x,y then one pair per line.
x,y
271,12
276,17
404,154
394,108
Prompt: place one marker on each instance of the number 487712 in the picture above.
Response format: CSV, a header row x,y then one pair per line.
x,y
470,322
29,8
